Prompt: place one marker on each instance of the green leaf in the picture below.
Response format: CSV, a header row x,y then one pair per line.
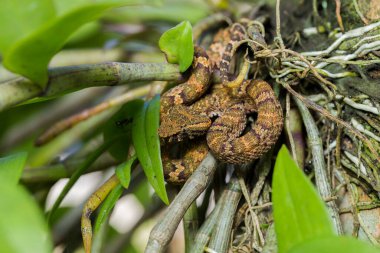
x,y
123,172
107,206
121,124
177,44
30,55
299,213
22,226
19,18
143,154
335,244
139,142
152,122
11,167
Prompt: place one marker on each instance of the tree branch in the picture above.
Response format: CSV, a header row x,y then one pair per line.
x,y
66,79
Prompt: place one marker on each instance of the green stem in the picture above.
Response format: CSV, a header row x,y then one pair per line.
x,y
68,79
190,225
220,239
204,233
52,173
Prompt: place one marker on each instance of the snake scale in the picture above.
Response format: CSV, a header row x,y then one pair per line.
x,y
197,108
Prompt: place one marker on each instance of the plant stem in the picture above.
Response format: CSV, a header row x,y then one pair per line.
x,y
322,181
204,233
68,79
53,173
190,225
221,236
67,123
44,154
163,231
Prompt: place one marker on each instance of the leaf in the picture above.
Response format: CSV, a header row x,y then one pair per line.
x,y
123,172
142,152
22,226
177,44
107,206
335,244
299,213
139,142
30,55
152,122
11,167
19,18
121,124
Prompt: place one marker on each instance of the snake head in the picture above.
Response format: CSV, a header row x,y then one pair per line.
x,y
180,124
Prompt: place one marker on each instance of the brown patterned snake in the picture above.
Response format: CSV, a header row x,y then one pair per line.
x,y
196,108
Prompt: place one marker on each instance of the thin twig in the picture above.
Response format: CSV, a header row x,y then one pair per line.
x,y
338,16
328,115
264,166
68,123
360,14
278,26
348,35
288,130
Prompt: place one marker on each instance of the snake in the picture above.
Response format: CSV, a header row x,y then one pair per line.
x,y
197,116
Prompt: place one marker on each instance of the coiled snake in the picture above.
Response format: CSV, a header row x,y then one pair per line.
x,y
197,108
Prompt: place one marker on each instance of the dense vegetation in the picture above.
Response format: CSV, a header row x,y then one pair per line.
x,y
80,86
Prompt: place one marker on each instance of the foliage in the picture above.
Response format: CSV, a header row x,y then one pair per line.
x,y
177,44
120,125
294,197
335,244
11,167
301,219
33,31
37,37
147,145
123,172
22,226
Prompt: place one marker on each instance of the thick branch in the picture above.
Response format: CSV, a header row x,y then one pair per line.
x,y
66,79
163,231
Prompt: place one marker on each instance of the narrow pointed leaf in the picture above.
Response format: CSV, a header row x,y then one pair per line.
x,y
299,213
141,147
139,142
152,121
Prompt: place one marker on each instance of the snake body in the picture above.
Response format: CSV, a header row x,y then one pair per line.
x,y
194,109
